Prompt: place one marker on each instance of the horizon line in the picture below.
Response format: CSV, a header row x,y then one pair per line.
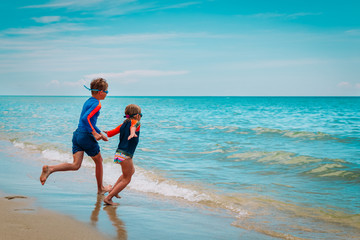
x,y
22,95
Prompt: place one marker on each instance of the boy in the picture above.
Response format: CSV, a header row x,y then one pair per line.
x,y
85,137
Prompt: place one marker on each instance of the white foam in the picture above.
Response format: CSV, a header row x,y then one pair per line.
x,y
25,146
52,154
56,155
65,157
147,150
19,145
144,181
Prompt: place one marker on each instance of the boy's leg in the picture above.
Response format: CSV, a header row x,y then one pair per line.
x,y
128,170
47,170
99,174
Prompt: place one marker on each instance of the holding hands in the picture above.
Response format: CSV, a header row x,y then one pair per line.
x,y
99,136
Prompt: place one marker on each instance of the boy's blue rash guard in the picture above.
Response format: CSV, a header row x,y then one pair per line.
x,y
89,114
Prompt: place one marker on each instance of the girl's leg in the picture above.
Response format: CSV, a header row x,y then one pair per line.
x,y
47,170
99,174
117,182
128,170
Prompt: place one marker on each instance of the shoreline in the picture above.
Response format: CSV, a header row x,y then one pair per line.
x,y
139,215
22,220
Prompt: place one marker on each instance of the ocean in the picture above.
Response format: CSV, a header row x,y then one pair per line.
x,y
280,167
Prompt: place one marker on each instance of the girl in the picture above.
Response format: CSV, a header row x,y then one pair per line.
x,y
129,138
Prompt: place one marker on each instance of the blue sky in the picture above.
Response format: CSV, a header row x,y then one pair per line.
x,y
181,48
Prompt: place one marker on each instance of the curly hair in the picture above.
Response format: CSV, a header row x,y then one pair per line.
x,y
98,83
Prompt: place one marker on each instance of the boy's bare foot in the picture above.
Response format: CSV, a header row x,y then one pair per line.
x,y
105,189
110,202
44,174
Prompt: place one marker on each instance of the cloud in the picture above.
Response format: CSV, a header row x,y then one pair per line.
x,y
355,32
51,5
56,83
137,73
180,5
344,84
134,75
47,19
348,85
276,63
112,7
282,15
69,4
52,28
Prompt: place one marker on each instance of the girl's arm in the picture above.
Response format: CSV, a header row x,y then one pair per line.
x,y
134,126
132,133
113,132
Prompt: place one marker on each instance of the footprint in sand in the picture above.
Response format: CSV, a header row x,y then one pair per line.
x,y
13,197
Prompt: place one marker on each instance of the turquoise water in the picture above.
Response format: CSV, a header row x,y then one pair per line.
x,y
282,166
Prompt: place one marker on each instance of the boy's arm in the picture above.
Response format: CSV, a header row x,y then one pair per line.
x,y
97,136
88,115
103,137
113,132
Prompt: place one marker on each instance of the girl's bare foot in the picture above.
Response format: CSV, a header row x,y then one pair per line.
x,y
110,202
44,174
105,189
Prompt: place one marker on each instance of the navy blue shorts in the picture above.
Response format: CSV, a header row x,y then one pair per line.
x,y
85,141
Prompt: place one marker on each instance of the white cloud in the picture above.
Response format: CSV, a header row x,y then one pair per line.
x,y
54,82
282,15
51,5
357,85
276,63
180,5
344,84
47,19
57,83
112,7
132,76
353,32
57,27
136,73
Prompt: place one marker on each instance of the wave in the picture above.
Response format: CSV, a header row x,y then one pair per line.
x,y
306,135
318,167
50,152
227,128
250,212
143,181
295,134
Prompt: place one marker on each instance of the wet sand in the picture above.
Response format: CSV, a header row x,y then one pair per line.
x,y
21,220
139,215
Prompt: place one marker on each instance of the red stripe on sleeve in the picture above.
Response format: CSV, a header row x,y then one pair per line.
x,y
98,107
115,131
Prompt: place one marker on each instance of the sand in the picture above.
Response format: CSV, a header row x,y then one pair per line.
x,y
20,220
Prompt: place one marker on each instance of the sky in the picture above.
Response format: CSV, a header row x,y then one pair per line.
x,y
181,48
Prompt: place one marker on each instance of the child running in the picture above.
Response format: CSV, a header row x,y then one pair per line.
x,y
129,138
85,137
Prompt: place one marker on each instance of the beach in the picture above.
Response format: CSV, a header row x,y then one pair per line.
x,y
72,196
205,168
21,220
